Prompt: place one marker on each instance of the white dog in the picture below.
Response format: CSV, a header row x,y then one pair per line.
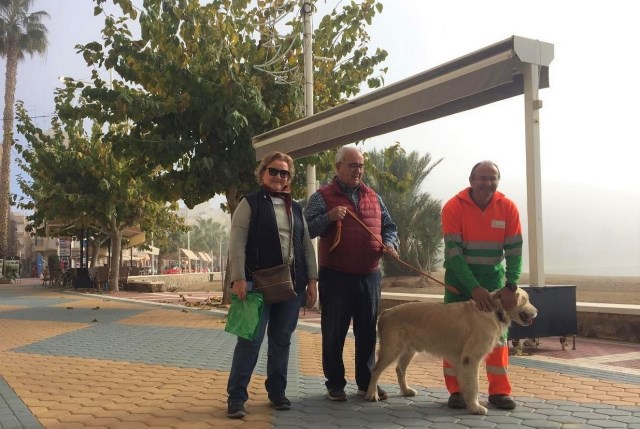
x,y
458,332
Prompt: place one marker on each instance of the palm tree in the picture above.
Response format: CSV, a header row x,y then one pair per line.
x,y
20,32
208,236
397,177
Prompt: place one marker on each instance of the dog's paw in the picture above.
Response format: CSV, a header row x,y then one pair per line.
x,y
409,392
564,343
478,409
372,396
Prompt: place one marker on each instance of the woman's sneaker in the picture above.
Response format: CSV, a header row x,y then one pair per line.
x,y
236,411
280,403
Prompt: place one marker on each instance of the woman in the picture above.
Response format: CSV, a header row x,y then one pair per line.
x,y
263,222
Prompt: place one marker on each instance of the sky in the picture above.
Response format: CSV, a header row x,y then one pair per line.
x,y
588,138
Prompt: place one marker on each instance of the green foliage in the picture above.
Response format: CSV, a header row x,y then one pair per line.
x,y
204,79
78,179
77,182
21,33
208,236
53,263
10,272
398,178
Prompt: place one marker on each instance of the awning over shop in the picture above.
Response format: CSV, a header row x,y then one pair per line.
x,y
189,254
205,257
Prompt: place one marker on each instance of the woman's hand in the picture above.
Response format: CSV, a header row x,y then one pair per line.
x,y
312,293
239,287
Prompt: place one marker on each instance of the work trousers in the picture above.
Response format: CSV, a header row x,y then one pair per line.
x,y
497,362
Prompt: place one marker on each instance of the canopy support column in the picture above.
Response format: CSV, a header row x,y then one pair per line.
x,y
534,188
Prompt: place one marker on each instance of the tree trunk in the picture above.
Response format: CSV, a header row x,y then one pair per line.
x,y
7,143
114,269
232,203
95,249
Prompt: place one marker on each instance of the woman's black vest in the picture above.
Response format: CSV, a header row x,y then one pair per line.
x,y
263,244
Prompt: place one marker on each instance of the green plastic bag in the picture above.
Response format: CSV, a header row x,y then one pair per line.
x,y
243,317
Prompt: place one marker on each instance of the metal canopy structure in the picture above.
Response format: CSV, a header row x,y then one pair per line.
x,y
512,67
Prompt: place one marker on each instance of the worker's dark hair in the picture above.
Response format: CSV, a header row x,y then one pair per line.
x,y
475,167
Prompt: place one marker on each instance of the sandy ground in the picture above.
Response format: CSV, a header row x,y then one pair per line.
x,y
613,290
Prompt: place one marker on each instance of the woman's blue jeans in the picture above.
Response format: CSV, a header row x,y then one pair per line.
x,y
279,321
343,298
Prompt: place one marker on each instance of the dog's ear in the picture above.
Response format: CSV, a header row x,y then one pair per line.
x,y
497,296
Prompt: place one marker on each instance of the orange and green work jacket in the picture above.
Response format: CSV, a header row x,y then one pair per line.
x,y
476,242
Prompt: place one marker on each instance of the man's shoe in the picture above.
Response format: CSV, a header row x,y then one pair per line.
x,y
456,401
280,403
502,401
382,395
337,395
236,411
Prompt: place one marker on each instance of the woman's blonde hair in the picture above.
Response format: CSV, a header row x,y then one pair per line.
x,y
280,156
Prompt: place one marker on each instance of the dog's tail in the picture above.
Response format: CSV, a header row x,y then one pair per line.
x,y
381,320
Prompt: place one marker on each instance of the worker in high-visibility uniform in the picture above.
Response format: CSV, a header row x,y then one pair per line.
x,y
481,228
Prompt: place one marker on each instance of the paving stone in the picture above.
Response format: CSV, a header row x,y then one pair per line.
x,y
155,366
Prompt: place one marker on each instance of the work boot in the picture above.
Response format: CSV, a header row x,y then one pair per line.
x,y
502,401
456,401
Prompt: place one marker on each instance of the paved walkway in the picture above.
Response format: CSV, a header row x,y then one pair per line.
x,y
74,360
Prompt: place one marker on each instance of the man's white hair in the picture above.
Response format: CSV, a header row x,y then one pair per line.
x,y
343,150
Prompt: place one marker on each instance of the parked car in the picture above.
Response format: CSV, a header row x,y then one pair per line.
x,y
173,270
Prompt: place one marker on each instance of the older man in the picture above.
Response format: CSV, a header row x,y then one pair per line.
x,y
349,276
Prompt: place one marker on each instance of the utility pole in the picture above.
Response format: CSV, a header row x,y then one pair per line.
x,y
307,50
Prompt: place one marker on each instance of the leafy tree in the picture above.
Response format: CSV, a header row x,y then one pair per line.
x,y
21,33
398,177
75,179
202,80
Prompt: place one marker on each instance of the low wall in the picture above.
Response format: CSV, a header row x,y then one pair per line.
x,y
615,322
192,281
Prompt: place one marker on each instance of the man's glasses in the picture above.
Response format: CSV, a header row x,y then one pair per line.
x,y
273,172
355,167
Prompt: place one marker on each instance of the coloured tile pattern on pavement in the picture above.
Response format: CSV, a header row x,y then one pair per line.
x,y
70,360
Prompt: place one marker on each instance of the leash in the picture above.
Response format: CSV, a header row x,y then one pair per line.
x,y
336,242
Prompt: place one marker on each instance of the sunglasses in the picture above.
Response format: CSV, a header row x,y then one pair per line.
x,y
273,172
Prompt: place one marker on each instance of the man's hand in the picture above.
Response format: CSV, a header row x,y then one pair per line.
x,y
391,251
482,297
337,213
508,298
